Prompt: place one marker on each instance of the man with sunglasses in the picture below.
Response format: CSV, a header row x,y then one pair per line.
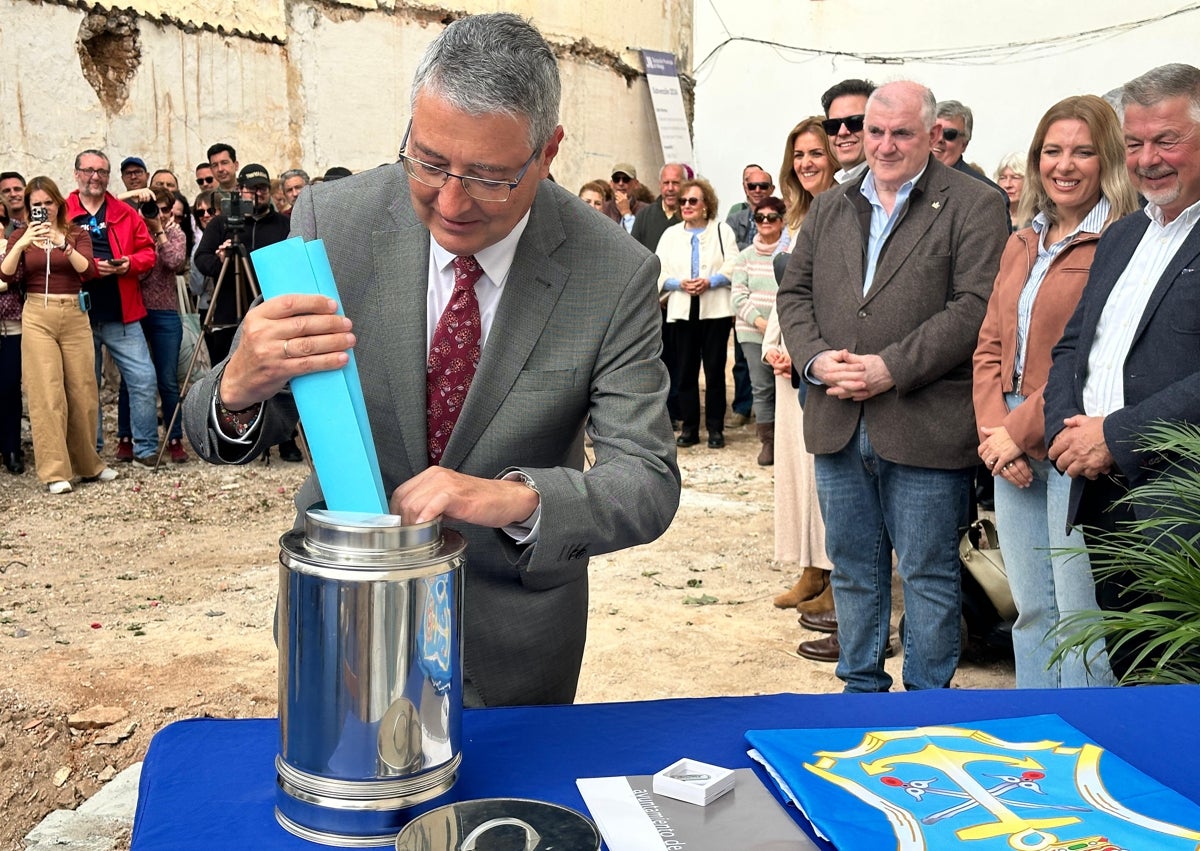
x,y
845,105
205,179
758,186
956,123
555,328
625,204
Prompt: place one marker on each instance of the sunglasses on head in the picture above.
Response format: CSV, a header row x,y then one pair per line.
x,y
758,186
853,123
951,133
762,218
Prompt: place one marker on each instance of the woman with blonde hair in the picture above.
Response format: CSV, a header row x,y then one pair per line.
x,y
1076,185
807,171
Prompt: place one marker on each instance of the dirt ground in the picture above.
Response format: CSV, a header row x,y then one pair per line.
x,y
154,595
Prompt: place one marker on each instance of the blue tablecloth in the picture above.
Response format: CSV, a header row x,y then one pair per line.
x,y
209,784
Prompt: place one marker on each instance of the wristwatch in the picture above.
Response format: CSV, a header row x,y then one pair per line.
x,y
524,479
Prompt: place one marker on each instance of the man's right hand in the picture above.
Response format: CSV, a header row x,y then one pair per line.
x,y
622,201
281,338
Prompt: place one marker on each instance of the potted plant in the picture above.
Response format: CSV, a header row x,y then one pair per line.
x,y
1162,553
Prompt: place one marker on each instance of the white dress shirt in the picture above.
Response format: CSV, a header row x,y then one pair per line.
x,y
1104,387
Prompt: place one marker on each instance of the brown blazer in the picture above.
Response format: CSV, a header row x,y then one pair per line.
x,y
996,353
921,315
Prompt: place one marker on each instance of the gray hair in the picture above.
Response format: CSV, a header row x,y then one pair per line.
x,y
295,172
884,95
494,64
682,170
1165,81
957,109
1014,162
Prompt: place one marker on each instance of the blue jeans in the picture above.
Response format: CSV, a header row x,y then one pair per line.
x,y
871,505
164,334
127,345
1047,585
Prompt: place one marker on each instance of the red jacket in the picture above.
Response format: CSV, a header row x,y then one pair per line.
x,y
128,237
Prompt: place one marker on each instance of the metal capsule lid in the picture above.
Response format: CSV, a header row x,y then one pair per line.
x,y
352,531
500,824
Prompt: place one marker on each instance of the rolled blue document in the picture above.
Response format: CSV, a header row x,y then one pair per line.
x,y
331,404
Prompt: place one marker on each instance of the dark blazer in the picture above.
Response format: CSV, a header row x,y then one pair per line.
x,y
576,339
921,315
1162,371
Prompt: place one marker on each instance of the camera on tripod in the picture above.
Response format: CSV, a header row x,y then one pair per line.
x,y
235,209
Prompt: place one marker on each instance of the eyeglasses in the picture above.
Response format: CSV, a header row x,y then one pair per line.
x,y
204,181
94,172
621,178
759,187
166,211
762,218
477,187
853,123
201,212
134,170
952,133
687,202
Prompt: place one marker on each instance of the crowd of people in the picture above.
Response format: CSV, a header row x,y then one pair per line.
x,y
97,271
929,311
900,322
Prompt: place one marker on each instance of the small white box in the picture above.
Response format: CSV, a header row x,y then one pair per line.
x,y
693,782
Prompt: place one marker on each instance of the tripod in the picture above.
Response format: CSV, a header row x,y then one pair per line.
x,y
245,288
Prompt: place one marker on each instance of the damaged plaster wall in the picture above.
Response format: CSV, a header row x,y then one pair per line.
x,y
334,91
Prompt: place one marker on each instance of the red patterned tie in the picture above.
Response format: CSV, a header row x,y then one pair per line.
x,y
453,356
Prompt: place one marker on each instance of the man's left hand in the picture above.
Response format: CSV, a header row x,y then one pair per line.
x,y
1080,448
438,492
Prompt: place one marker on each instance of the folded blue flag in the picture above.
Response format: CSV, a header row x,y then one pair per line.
x,y
1031,784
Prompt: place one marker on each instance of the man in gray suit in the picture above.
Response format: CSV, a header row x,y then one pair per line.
x,y
569,336
880,307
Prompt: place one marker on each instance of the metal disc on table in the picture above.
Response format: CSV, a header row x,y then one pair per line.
x,y
500,824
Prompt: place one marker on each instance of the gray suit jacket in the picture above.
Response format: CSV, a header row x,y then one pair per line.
x,y
576,339
921,315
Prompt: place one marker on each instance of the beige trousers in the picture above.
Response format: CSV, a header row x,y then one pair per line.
x,y
59,373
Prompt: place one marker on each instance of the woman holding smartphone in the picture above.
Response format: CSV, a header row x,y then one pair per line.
x,y
49,260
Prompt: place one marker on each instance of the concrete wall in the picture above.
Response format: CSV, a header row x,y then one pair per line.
x,y
748,96
166,83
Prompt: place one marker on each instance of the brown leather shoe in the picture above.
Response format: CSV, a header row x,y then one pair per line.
x,y
827,649
818,605
820,622
812,583
821,649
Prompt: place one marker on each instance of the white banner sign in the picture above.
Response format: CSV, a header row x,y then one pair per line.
x,y
667,97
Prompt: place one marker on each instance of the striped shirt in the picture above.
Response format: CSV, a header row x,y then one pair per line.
x,y
1104,389
1093,222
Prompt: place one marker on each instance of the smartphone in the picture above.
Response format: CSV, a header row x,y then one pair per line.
x,y
85,301
37,215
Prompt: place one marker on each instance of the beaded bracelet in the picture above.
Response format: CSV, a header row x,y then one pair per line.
x,y
238,422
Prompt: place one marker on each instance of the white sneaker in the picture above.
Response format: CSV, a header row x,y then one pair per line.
x,y
105,475
59,487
